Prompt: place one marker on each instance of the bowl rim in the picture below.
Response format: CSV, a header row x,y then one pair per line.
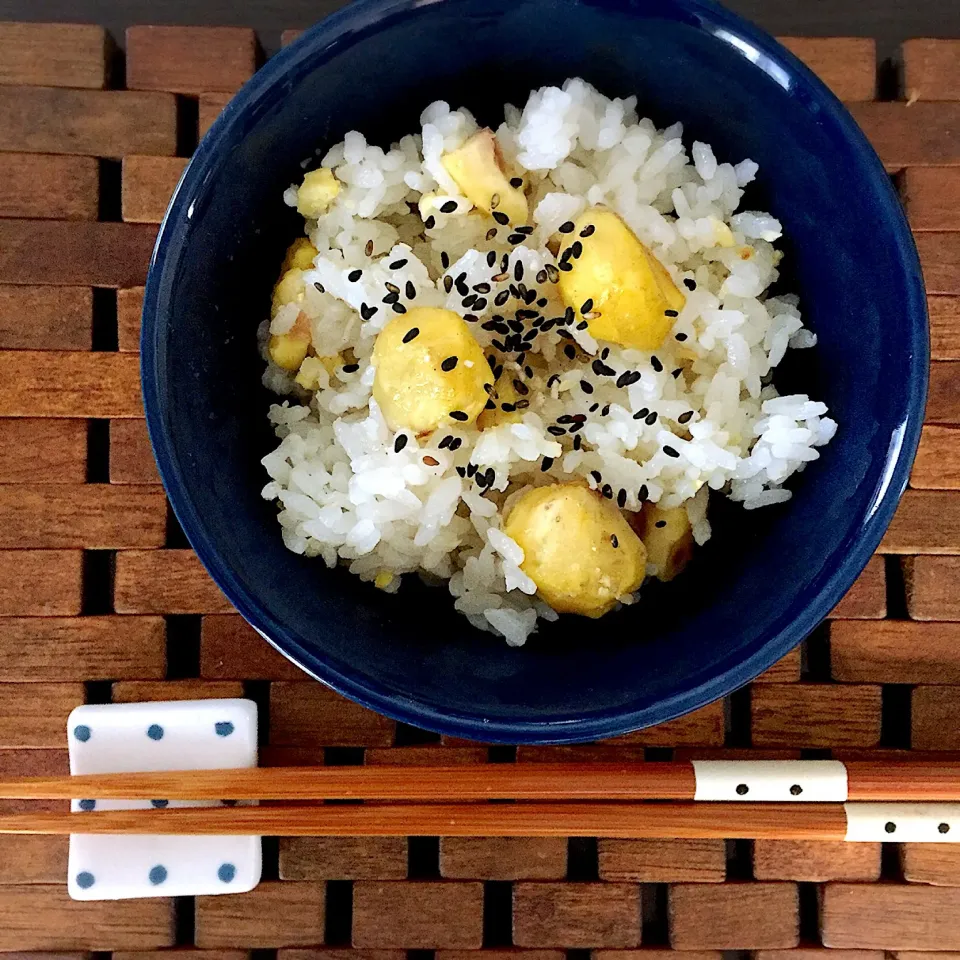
x,y
318,41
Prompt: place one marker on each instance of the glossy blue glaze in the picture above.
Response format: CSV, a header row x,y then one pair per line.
x,y
766,578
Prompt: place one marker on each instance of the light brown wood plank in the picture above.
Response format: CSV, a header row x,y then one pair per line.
x,y
45,318
927,521
231,649
34,763
211,106
867,598
190,59
272,915
165,581
785,670
815,862
343,858
68,384
131,456
308,714
58,451
847,65
95,516
734,916
53,54
148,184
931,196
39,917
933,718
96,123
86,253
940,259
935,863
895,651
815,715
580,915
129,309
40,583
890,916
41,185
931,584
663,861
702,727
82,648
943,400
503,858
150,691
417,916
944,327
425,756
35,714
922,134
29,859
937,466
820,953
931,69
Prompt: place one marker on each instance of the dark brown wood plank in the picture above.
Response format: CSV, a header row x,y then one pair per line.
x,y
34,715
940,259
931,196
58,451
943,399
931,69
210,107
944,327
933,718
927,521
28,859
158,691
847,65
931,584
40,583
230,649
815,861
343,858
503,858
815,715
921,134
48,187
308,715
129,309
165,581
131,456
97,123
895,651
867,598
576,915
53,54
45,318
937,465
147,185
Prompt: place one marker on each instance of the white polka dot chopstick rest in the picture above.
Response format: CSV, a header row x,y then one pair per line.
x,y
147,737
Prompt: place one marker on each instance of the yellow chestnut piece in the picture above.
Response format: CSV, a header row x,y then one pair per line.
x,y
477,168
504,392
668,538
578,549
620,281
318,190
289,350
290,288
309,373
300,254
430,371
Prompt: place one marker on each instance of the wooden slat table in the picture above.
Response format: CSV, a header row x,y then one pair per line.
x,y
99,601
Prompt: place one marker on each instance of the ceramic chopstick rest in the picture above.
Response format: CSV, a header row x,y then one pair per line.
x,y
180,735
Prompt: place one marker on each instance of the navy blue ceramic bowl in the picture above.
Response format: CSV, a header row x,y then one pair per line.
x,y
766,578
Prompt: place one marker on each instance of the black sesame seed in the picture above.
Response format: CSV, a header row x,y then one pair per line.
x,y
471,469
516,326
566,227
596,475
565,418
571,351
521,387
546,464
552,273
587,305
492,361
449,364
642,492
504,262
500,345
656,364
577,249
447,283
652,419
410,290
397,264
605,353
444,259
491,476
449,206
351,367
459,415
556,431
660,524
480,304
586,386
605,410
491,233
490,405
529,296
542,276
542,302
594,407
614,542
670,452
607,491
566,255
430,222
577,442
354,275
456,443
522,404
569,316
601,369
398,308
518,271
689,283
482,287
628,378
554,378
528,371
501,217
470,318
445,442
501,298
588,230
462,288
368,249
462,471
392,287
516,183
670,313
319,286
684,417
497,370
527,314
640,414
681,337
399,443
676,373
367,312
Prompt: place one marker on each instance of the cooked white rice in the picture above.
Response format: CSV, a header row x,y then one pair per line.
x,y
346,496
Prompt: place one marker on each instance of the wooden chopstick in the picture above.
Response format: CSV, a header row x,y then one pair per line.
x,y
889,780
790,821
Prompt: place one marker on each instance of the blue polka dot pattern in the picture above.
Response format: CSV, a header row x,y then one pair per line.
x,y
224,728
85,880
82,732
159,804
157,874
88,804
227,872
155,731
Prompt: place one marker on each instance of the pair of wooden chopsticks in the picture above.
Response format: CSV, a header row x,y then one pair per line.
x,y
562,799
